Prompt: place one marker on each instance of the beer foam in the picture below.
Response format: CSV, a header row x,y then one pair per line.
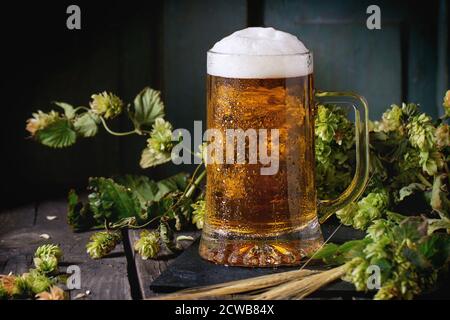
x,y
259,53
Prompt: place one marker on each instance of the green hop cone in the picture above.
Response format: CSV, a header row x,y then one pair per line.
x,y
31,283
443,136
41,120
161,136
391,119
347,214
103,242
46,264
48,250
46,258
378,228
37,282
159,145
360,215
147,245
326,123
356,273
446,103
431,162
106,104
421,132
198,214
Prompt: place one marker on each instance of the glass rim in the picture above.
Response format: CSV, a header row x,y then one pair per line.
x,y
309,52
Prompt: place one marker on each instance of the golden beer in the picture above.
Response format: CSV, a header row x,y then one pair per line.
x,y
256,219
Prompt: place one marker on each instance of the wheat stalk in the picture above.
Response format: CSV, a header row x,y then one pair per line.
x,y
300,288
238,286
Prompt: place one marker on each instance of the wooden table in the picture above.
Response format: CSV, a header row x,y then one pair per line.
x,y
120,275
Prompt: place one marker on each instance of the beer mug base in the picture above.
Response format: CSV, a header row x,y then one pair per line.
x,y
287,249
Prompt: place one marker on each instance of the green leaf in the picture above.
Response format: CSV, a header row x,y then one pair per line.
x,y
144,188
439,198
334,254
152,158
147,108
395,217
148,190
162,207
410,189
58,134
112,202
79,217
326,252
86,125
438,224
69,110
436,248
177,182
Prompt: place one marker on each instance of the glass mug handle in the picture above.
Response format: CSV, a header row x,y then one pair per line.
x,y
327,208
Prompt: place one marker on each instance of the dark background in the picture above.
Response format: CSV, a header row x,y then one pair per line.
x,y
126,45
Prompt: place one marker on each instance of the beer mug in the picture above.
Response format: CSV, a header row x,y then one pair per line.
x,y
261,205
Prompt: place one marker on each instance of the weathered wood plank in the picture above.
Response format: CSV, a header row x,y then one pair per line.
x,y
105,279
149,270
14,228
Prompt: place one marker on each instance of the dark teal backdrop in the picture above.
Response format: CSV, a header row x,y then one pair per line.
x,y
126,45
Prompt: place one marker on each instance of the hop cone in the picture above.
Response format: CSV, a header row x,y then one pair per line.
x,y
106,104
46,258
48,250
102,243
46,264
198,214
147,245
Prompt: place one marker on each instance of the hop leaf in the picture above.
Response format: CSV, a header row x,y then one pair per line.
x,y
106,104
57,134
147,108
69,110
86,124
198,214
101,243
148,244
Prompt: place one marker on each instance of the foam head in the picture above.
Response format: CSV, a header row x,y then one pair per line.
x,y
259,53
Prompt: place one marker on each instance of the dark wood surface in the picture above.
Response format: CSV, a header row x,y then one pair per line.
x,y
123,274
120,275
20,235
